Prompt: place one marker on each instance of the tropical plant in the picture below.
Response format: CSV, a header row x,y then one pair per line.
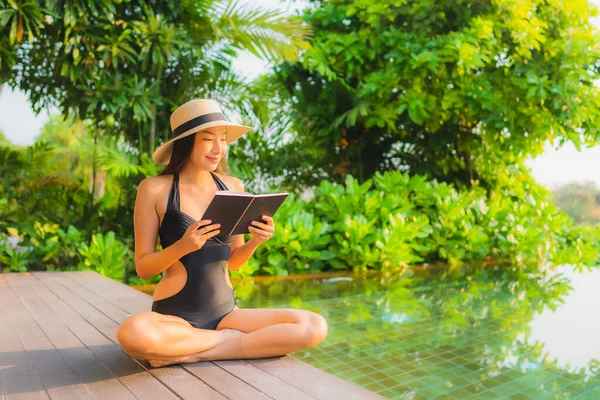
x,y
106,255
458,91
126,66
300,245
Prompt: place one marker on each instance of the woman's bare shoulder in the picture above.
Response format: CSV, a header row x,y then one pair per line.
x,y
232,182
155,184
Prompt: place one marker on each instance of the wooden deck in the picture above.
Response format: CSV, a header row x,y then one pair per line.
x,y
58,340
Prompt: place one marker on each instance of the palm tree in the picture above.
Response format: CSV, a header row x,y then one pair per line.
x,y
219,31
126,65
18,19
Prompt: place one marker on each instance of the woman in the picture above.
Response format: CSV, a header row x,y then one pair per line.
x,y
194,316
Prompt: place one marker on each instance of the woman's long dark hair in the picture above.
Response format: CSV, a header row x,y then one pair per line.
x,y
182,150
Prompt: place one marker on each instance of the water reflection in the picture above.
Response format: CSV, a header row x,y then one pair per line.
x,y
571,334
490,332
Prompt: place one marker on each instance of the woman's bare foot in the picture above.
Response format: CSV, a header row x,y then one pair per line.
x,y
226,334
170,361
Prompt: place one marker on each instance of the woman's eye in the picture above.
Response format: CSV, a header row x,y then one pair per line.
x,y
210,140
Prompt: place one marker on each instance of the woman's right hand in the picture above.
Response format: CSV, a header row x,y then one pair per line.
x,y
197,234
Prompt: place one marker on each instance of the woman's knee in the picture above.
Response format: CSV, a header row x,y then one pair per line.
x,y
138,334
314,329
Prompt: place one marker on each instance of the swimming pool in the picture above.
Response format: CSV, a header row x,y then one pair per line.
x,y
488,333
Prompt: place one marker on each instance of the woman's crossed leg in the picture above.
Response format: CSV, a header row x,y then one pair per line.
x,y
242,334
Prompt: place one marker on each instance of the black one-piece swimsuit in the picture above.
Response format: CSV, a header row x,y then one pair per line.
x,y
206,297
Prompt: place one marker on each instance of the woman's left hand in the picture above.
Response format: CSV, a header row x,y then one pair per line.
x,y
262,232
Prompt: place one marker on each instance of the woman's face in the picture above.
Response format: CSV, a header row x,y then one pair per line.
x,y
210,146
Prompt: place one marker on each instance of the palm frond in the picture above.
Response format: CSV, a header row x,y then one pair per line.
x,y
268,34
114,158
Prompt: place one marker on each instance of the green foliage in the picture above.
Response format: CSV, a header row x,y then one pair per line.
x,y
55,177
299,245
106,255
579,242
368,227
126,65
12,259
399,104
458,91
50,248
392,220
3,140
395,220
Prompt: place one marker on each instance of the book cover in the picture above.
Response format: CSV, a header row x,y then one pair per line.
x,y
236,210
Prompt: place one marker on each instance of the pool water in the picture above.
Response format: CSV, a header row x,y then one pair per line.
x,y
483,333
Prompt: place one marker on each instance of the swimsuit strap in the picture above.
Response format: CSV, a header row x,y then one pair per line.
x,y
219,182
174,196
173,203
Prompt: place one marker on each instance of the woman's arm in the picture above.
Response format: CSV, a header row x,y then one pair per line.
x,y
241,252
261,232
149,262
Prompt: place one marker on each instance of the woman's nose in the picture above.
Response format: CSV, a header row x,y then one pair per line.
x,y
217,146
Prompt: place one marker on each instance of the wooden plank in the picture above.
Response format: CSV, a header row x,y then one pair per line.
x,y
98,379
12,351
229,385
142,384
175,378
125,297
108,308
263,381
186,385
55,283
18,380
56,376
22,385
313,380
67,344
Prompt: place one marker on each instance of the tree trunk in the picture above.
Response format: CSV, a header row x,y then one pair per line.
x,y
100,184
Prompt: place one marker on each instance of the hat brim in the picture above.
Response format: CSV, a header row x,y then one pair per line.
x,y
162,154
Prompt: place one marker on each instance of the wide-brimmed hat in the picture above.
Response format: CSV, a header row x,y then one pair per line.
x,y
195,116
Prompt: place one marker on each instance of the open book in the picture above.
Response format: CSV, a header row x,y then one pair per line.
x,y
236,210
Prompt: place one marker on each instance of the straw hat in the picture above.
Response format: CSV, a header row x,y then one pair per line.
x,y
195,116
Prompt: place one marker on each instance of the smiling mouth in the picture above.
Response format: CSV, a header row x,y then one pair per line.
x,y
213,159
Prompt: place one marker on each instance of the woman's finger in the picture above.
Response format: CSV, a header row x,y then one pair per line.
x,y
264,235
203,222
212,233
209,228
196,225
265,227
256,231
259,231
